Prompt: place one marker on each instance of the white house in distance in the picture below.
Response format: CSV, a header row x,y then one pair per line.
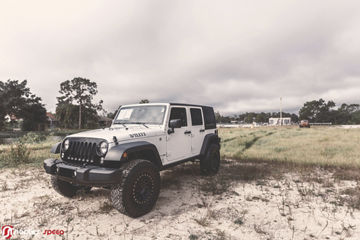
x,y
279,121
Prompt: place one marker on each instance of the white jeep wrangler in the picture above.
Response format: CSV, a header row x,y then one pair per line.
x,y
142,140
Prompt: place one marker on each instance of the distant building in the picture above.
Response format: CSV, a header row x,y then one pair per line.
x,y
12,118
51,119
279,121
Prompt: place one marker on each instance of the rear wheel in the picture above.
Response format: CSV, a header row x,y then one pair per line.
x,y
138,190
210,164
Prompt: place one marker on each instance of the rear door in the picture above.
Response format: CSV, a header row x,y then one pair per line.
x,y
179,142
197,130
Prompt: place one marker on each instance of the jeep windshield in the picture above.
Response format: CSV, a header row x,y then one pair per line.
x,y
141,115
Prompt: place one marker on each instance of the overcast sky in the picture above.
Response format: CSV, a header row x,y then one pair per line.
x,y
235,55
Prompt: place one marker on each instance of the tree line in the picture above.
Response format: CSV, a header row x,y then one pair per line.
x,y
76,108
320,111
250,117
316,111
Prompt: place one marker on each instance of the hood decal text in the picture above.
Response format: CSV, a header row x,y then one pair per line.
x,y
134,135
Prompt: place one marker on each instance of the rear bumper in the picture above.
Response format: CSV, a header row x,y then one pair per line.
x,y
83,175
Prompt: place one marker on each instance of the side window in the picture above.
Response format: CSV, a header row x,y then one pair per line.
x,y
196,118
209,116
179,113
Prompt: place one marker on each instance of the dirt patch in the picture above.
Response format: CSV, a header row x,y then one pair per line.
x,y
244,201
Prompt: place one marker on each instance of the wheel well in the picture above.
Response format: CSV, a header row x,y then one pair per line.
x,y
214,141
208,140
146,154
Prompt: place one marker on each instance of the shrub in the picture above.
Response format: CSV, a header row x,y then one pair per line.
x,y
19,153
33,137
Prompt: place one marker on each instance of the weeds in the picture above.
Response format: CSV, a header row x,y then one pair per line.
x,y
353,197
220,235
33,137
106,207
347,174
259,229
205,221
193,237
19,153
241,219
4,187
215,185
43,220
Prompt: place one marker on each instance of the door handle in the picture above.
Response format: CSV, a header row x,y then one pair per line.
x,y
187,132
202,130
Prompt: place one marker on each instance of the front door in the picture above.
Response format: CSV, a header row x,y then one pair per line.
x,y
179,142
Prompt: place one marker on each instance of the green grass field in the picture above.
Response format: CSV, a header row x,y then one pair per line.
x,y
323,146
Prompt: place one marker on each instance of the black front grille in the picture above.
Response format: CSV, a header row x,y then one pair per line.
x,y
82,150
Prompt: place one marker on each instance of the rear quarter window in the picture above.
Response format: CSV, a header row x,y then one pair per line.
x,y
196,117
209,118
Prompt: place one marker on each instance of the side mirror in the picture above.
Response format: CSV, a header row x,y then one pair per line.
x,y
175,123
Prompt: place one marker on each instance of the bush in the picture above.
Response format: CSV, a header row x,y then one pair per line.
x,y
19,153
33,137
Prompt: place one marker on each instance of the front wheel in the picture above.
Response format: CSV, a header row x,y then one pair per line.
x,y
210,164
138,190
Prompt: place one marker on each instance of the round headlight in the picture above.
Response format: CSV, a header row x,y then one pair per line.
x,y
103,148
66,144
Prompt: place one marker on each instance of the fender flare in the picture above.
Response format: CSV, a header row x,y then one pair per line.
x,y
209,139
56,148
116,152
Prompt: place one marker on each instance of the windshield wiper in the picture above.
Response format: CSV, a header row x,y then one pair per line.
x,y
139,123
122,124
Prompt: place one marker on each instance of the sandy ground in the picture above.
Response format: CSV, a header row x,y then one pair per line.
x,y
252,205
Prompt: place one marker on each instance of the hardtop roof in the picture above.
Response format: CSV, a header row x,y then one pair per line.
x,y
166,103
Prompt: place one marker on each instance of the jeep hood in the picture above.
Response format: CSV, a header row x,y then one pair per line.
x,y
132,132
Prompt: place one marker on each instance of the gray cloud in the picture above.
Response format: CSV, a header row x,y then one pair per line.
x,y
236,55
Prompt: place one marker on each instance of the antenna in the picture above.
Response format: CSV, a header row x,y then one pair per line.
x,y
281,121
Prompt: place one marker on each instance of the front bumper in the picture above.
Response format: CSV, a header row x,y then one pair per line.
x,y
82,175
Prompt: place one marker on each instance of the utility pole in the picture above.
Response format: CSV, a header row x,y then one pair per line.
x,y
281,122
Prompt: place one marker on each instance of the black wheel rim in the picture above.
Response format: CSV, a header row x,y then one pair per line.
x,y
143,189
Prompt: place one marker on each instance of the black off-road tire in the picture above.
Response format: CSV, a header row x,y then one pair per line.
x,y
210,164
65,189
85,189
138,190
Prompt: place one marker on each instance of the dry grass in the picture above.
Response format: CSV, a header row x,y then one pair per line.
x,y
352,197
322,146
37,153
